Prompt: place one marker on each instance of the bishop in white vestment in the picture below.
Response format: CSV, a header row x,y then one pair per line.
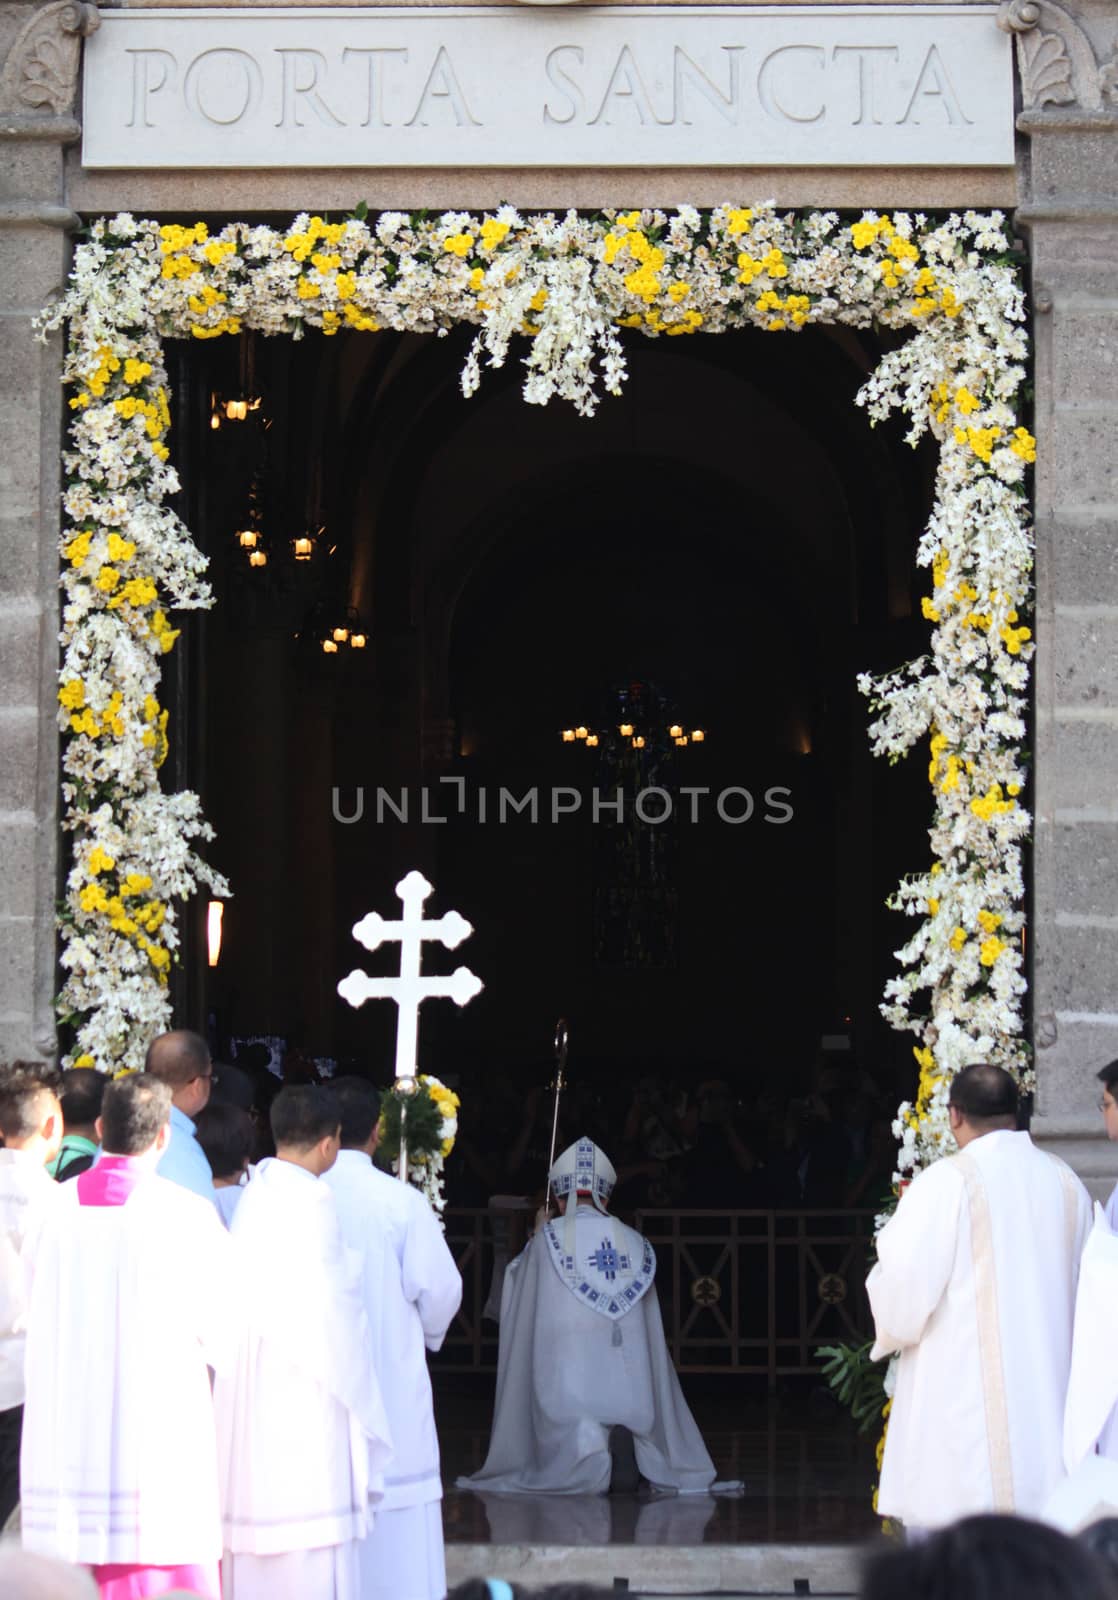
x,y
974,1287
582,1351
302,1433
412,1290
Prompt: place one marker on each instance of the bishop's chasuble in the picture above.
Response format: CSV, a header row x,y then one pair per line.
x,y
412,1290
975,1288
582,1350
132,1297
302,1435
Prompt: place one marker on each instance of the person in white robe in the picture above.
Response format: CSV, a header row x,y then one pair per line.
x,y
1108,1105
302,1435
31,1125
1090,1417
582,1353
132,1299
412,1290
974,1289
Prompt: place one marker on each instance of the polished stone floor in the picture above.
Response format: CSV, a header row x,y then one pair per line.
x,y
807,1476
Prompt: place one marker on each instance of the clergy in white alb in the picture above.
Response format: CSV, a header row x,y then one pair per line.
x,y
974,1288
302,1434
1090,1419
582,1352
132,1299
31,1125
412,1290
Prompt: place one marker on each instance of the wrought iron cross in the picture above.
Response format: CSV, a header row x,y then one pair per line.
x,y
409,989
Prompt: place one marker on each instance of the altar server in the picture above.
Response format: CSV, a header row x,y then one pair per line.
x,y
131,1298
302,1434
975,1287
412,1290
31,1125
582,1352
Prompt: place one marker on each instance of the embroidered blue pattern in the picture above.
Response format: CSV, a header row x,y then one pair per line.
x,y
584,1178
608,1297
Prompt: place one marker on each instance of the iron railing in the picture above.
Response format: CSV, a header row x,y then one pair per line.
x,y
745,1292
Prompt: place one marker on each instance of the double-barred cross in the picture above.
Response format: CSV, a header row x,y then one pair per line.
x,y
409,989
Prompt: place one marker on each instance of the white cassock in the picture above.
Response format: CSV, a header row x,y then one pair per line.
x,y
132,1297
412,1290
1090,1418
975,1287
302,1434
582,1350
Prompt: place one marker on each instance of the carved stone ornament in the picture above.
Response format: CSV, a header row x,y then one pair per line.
x,y
1055,58
41,72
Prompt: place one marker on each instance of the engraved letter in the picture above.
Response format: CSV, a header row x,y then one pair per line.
x,y
688,71
294,90
148,77
933,84
767,93
566,85
375,106
625,84
443,73
232,81
866,77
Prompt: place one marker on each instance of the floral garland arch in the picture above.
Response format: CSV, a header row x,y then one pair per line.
x,y
568,284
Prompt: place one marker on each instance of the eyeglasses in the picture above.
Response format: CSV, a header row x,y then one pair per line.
x,y
1106,1104
207,1077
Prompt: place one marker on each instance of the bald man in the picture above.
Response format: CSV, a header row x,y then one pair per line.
x,y
181,1060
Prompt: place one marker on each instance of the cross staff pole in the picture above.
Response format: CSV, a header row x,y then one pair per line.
x,y
562,1034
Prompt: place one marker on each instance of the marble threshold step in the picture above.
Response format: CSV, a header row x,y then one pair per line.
x,y
697,1570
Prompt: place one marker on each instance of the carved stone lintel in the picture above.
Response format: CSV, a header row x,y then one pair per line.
x,y
41,71
1055,58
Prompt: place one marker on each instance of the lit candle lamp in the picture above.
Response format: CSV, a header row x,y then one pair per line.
x,y
257,558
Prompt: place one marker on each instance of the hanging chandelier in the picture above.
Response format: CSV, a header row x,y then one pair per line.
x,y
644,721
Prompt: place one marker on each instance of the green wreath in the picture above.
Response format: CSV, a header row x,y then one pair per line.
x,y
424,1125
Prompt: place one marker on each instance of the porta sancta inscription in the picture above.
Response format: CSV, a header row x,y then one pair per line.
x,y
920,86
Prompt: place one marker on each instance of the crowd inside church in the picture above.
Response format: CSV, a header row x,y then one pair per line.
x,y
227,1293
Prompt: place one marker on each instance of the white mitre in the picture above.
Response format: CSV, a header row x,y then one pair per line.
x,y
583,1168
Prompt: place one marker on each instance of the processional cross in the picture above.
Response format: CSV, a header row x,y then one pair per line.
x,y
409,989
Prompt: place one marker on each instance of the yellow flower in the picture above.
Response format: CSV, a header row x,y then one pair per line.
x,y
678,292
738,221
929,610
1014,638
1023,444
78,548
106,580
93,898
538,300
72,695
84,1061
991,949
990,921
359,319
492,234
966,401
958,938
306,290
120,549
630,219
99,861
346,285
136,883
1013,788
459,244
325,263
748,269
933,906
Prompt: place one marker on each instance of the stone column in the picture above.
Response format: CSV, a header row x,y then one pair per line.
x,y
39,49
1070,216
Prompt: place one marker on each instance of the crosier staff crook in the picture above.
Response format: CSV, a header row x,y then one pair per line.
x,y
561,1040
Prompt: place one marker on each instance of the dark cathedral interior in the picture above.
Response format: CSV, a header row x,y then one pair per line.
x,y
721,550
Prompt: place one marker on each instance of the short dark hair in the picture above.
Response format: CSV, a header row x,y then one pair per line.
x,y
132,1113
360,1104
981,1558
177,1058
225,1133
984,1093
22,1087
83,1090
1108,1077
304,1113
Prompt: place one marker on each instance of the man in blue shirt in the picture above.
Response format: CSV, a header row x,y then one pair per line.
x,y
181,1060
